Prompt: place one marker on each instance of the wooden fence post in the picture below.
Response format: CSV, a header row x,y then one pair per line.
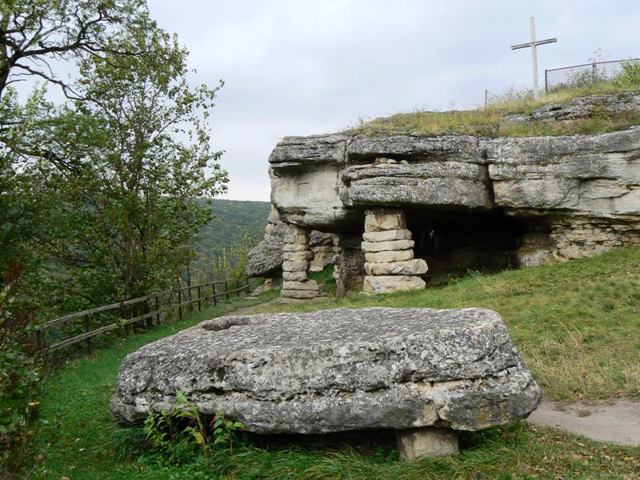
x,y
87,329
199,298
226,290
215,300
157,303
179,304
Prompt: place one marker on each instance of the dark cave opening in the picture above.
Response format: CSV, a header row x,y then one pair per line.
x,y
456,242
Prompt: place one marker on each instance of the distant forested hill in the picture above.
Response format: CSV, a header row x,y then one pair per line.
x,y
232,220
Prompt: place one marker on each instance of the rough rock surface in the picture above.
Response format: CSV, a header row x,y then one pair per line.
x,y
266,258
581,107
336,370
471,203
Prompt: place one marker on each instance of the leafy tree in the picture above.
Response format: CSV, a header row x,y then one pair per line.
x,y
142,149
35,32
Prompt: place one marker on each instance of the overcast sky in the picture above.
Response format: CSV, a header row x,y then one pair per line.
x,y
298,67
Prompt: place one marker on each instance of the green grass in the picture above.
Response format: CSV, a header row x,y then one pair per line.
x,y
577,324
487,121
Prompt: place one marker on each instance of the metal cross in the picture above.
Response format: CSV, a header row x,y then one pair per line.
x,y
534,54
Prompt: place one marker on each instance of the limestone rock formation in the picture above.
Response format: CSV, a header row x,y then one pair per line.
x,y
266,258
336,370
470,203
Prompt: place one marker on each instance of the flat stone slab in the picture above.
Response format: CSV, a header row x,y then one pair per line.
x,y
336,370
615,422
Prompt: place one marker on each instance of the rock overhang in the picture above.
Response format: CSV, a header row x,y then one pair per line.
x,y
318,181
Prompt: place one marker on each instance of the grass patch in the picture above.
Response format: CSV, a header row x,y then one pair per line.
x,y
487,122
577,323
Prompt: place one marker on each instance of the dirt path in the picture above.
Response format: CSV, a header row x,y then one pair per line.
x,y
616,422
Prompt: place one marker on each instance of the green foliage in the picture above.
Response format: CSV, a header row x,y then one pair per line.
x,y
98,196
232,221
223,243
629,78
557,327
180,431
19,387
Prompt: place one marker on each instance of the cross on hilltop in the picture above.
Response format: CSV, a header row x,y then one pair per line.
x,y
533,44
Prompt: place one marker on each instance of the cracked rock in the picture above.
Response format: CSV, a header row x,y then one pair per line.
x,y
336,370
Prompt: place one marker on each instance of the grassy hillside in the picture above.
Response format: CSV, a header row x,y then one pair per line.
x,y
577,325
232,220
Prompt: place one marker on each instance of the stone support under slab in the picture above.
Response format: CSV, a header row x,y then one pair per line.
x,y
296,256
388,251
427,442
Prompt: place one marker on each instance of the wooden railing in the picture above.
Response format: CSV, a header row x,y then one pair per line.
x,y
145,309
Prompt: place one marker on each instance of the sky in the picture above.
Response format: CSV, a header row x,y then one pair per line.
x,y
299,67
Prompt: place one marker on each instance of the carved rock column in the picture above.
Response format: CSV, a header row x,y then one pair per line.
x,y
296,255
388,250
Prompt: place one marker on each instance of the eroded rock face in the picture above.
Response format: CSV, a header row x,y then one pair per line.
x,y
336,370
266,258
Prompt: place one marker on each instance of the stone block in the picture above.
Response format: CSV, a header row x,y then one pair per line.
x,y
384,219
392,283
416,266
300,294
294,247
300,255
391,245
386,235
294,276
386,257
300,285
427,442
295,266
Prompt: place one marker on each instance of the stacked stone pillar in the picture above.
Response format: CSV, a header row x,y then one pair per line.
x,y
296,256
388,251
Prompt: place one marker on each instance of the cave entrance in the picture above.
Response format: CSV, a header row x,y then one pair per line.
x,y
455,242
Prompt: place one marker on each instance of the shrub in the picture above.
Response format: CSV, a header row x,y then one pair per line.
x,y
19,377
180,432
629,78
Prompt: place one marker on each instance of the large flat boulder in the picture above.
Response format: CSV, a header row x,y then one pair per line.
x,y
337,370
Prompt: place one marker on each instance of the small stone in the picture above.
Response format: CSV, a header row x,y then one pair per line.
x,y
386,257
392,283
295,266
387,235
416,266
298,276
391,245
427,442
